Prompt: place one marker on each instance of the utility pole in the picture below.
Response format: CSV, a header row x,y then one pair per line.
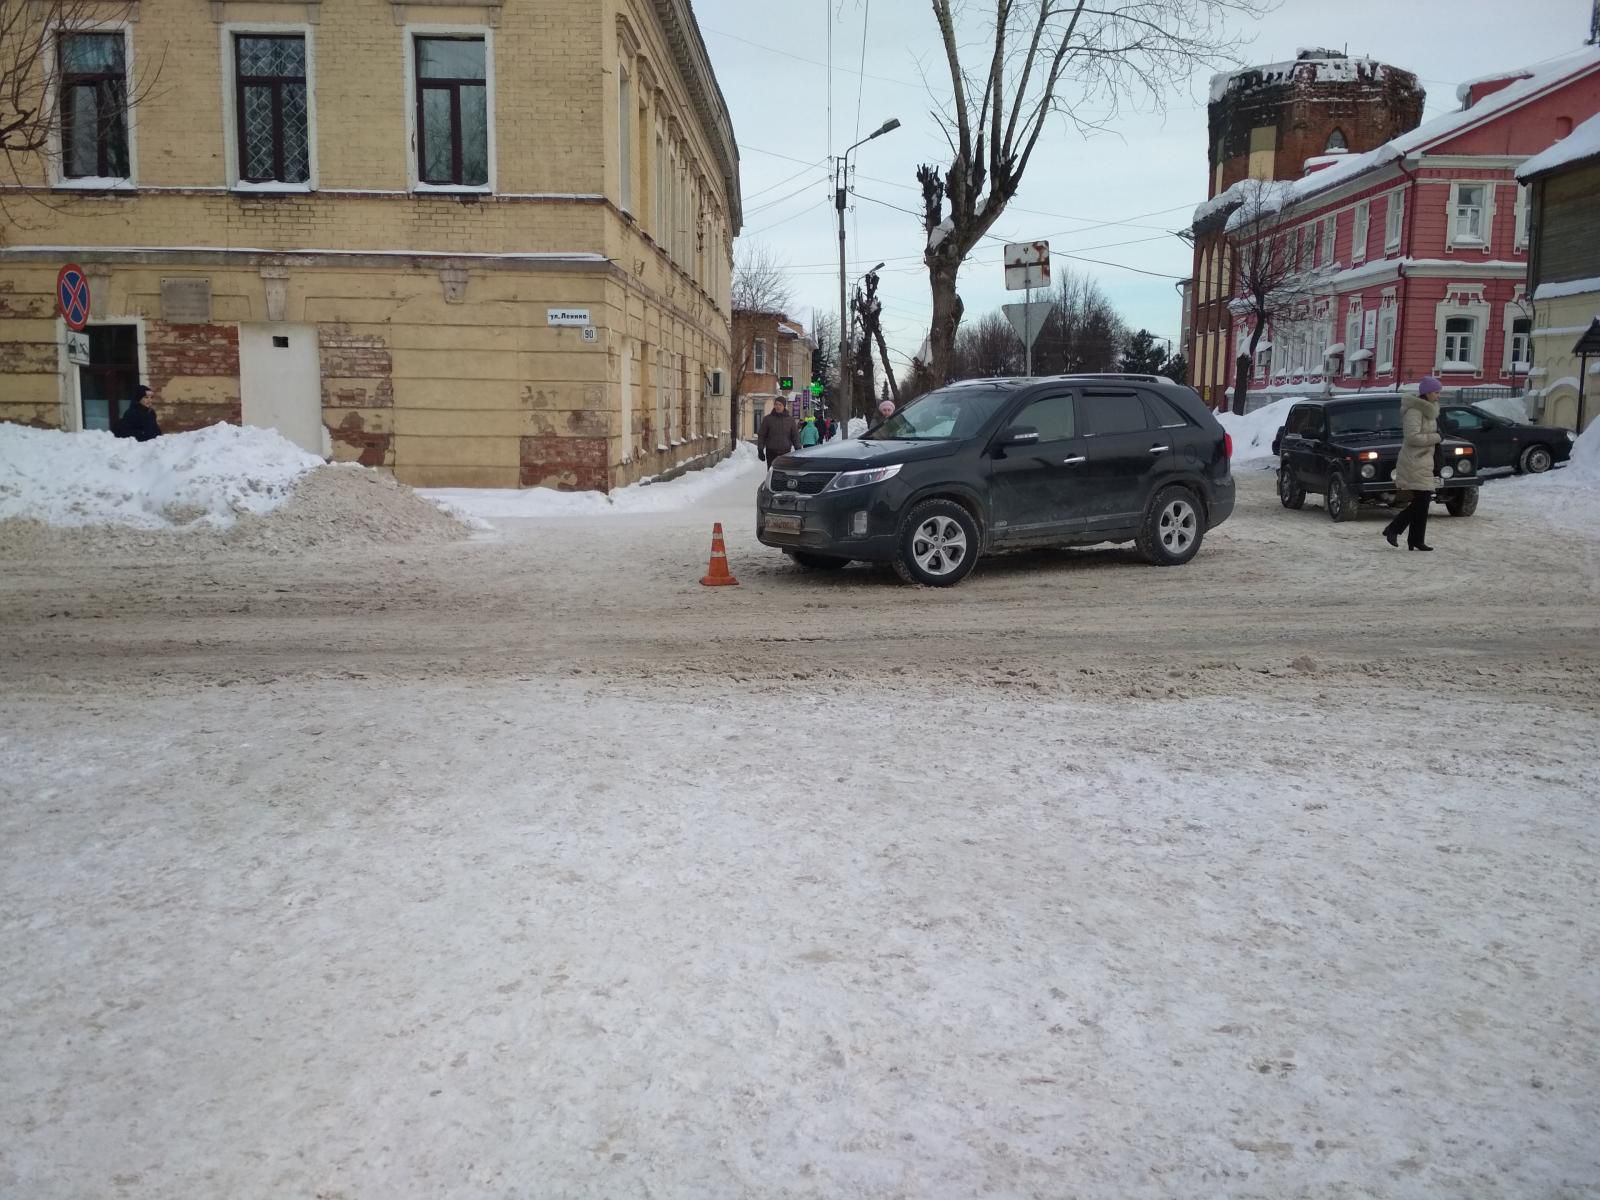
x,y
843,415
841,184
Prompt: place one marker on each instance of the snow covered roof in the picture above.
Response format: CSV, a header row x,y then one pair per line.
x,y
1318,66
1336,348
1583,142
1361,356
1229,197
1464,88
1538,80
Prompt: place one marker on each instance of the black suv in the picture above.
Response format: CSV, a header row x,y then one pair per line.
x,y
1346,448
996,464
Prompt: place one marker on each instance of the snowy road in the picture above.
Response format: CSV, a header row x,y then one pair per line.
x,y
528,868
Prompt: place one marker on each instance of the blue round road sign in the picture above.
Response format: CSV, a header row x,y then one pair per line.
x,y
72,296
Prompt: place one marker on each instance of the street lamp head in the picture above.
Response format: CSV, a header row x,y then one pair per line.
x,y
888,126
875,269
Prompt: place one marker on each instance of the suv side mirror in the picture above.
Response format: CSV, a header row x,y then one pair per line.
x,y
1020,435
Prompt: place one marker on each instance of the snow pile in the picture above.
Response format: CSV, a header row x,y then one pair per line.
x,y
489,504
1584,466
208,478
1583,142
1253,433
858,427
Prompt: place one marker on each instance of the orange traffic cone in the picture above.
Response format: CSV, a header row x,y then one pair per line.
x,y
718,575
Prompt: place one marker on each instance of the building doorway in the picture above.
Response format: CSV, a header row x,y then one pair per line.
x,y
106,383
280,382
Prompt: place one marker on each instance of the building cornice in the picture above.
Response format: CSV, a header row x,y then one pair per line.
x,y
694,65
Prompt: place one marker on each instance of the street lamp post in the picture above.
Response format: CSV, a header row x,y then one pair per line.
x,y
841,184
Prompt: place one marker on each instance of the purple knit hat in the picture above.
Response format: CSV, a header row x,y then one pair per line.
x,y
1429,386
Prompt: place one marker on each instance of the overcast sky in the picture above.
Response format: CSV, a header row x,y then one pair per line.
x,y
1114,196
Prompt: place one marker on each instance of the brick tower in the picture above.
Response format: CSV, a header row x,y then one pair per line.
x,y
1268,122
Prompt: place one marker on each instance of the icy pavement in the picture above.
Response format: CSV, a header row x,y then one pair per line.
x,y
569,939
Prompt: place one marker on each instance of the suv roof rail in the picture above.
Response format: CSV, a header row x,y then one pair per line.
x,y
1142,378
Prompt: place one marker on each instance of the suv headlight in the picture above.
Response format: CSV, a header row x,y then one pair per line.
x,y
854,479
1571,437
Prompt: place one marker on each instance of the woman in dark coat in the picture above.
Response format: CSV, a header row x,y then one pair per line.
x,y
138,420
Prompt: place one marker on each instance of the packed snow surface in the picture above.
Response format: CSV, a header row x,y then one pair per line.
x,y
208,478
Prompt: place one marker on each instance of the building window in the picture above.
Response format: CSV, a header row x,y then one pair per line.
x,y
1330,229
1460,338
1386,325
1352,329
1468,209
106,383
94,106
1520,351
452,111
274,122
625,138
661,192
761,356
1358,238
1394,219
1524,215
1336,142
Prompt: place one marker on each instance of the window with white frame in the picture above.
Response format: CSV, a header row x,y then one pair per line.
x,y
625,139
1469,214
1524,215
1358,237
1519,345
1386,328
451,78
1460,342
93,105
1330,229
1394,220
272,108
1352,329
761,356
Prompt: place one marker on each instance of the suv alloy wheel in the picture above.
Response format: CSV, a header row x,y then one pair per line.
x,y
938,544
1172,529
1340,506
1290,493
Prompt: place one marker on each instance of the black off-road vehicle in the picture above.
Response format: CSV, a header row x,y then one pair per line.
x,y
996,464
1346,447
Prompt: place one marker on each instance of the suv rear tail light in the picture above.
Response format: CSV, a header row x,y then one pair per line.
x,y
1227,442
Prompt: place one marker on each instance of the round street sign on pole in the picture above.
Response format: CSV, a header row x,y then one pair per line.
x,y
72,296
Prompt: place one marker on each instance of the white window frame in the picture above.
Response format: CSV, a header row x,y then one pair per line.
x,y
1354,319
55,154
1454,236
1514,311
71,390
758,361
1462,301
624,139
1524,215
408,52
1394,220
1360,231
230,102
1330,234
1388,322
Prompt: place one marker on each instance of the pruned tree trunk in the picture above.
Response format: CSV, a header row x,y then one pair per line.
x,y
947,311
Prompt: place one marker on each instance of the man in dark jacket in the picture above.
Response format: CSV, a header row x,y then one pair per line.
x,y
138,421
778,434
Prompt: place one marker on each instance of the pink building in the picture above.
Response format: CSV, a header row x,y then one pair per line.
x,y
1414,256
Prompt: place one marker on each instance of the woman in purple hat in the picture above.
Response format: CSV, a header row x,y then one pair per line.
x,y
1413,474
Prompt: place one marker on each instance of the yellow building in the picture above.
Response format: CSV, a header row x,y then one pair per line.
x,y
478,242
1564,275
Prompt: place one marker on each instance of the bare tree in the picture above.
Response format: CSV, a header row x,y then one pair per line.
x,y
986,348
1040,58
1272,286
34,52
870,313
760,291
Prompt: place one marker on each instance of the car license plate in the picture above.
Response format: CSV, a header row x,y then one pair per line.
x,y
783,524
